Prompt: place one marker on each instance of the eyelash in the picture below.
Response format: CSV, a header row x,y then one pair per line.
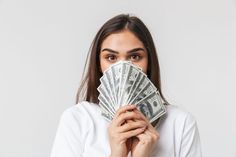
x,y
135,55
108,57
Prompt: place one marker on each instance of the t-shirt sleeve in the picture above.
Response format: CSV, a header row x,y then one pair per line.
x,y
70,133
190,144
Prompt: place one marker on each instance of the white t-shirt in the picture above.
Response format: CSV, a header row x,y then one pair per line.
x,y
82,132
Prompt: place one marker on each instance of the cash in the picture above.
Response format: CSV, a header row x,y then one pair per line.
x,y
123,83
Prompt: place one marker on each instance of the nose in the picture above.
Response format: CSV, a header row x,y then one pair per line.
x,y
124,59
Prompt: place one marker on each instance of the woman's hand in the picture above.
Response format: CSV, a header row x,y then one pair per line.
x,y
120,132
142,144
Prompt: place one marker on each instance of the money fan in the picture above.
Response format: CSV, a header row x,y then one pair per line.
x,y
124,83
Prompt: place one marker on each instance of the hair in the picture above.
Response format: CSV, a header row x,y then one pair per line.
x,y
92,73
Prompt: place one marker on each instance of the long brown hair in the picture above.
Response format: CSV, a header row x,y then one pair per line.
x,y
92,73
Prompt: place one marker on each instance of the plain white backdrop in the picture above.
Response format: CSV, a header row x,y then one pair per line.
x,y
43,46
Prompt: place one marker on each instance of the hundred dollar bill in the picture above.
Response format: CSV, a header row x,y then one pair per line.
x,y
124,75
151,106
148,89
124,83
130,90
108,77
103,102
105,83
103,90
138,88
129,82
116,75
107,115
106,110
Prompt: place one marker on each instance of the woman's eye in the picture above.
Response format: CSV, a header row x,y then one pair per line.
x,y
111,58
135,57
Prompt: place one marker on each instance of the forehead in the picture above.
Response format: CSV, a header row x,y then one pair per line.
x,y
122,41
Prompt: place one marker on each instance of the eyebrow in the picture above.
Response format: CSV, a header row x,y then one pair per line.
x,y
130,51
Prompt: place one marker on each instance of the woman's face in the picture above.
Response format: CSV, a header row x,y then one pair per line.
x,y
123,46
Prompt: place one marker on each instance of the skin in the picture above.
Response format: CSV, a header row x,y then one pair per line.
x,y
129,129
123,46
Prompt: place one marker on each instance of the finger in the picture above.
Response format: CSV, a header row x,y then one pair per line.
x,y
132,133
124,109
131,126
154,135
122,118
148,136
144,118
141,114
130,120
150,127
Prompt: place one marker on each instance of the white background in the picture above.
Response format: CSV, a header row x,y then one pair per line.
x,y
43,46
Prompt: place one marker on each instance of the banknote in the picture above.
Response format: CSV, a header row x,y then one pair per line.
x,y
107,83
108,77
116,75
145,91
124,83
124,75
131,77
105,104
107,115
141,84
151,106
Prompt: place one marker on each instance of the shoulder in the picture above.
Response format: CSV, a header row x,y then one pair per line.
x,y
175,112
177,117
179,133
178,124
74,125
83,107
83,113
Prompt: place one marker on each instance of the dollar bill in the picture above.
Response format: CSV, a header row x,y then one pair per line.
x,y
124,83
148,89
116,75
107,115
106,82
151,106
103,89
129,82
125,74
108,77
141,84
103,102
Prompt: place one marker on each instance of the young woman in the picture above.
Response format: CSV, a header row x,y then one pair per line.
x,y
84,132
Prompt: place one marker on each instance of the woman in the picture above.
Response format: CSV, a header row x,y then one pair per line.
x,y
84,132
